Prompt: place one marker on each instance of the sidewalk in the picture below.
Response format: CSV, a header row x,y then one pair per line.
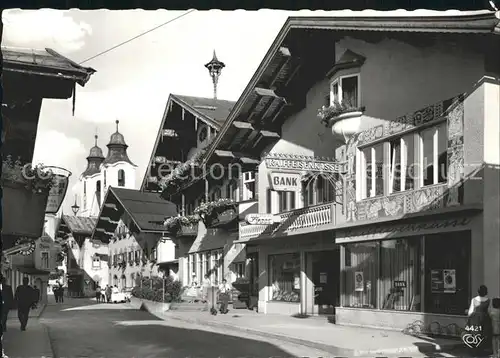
x,y
318,333
34,342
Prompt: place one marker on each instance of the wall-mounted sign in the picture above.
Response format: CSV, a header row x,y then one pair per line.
x,y
285,181
359,281
262,219
58,190
303,163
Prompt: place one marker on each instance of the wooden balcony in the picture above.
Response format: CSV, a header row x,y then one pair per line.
x,y
294,222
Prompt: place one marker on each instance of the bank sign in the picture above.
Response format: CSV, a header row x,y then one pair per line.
x,y
285,181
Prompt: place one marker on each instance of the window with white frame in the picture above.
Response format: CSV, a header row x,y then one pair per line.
x,y
345,89
248,185
414,160
433,154
232,191
96,262
44,263
372,161
286,201
239,269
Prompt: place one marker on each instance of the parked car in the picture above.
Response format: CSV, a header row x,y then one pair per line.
x,y
117,296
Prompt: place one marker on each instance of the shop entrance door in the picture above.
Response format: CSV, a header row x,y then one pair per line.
x,y
326,281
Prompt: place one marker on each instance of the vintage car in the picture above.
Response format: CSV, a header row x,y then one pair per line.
x,y
117,296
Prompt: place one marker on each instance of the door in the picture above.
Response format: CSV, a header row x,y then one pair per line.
x,y
326,281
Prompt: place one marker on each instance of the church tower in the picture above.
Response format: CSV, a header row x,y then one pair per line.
x,y
117,169
91,183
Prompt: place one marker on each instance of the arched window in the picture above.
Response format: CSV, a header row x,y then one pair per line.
x,y
84,195
318,189
121,177
98,192
105,178
232,190
132,279
123,281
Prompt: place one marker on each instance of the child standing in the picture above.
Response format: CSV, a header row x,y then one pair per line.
x,y
495,322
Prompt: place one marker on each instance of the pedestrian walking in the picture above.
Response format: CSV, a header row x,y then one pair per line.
x,y
224,290
108,293
8,302
60,292
98,294
25,296
207,284
495,326
479,318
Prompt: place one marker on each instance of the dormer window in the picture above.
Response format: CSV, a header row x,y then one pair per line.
x,y
345,89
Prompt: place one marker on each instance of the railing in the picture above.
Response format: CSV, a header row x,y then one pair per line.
x,y
308,217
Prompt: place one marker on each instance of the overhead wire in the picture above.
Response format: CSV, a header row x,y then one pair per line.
x,y
136,37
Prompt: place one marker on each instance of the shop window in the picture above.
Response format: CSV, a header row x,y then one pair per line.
x,y
360,278
345,89
399,281
447,272
433,151
248,185
284,277
239,269
286,201
121,177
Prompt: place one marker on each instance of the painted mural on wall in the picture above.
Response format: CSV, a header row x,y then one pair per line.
x,y
428,198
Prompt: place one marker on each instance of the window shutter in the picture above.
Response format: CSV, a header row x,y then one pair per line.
x,y
256,197
241,185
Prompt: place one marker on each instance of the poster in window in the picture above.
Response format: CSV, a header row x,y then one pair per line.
x,y
359,281
437,283
323,277
449,281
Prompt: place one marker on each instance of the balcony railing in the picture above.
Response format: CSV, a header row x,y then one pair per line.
x,y
312,217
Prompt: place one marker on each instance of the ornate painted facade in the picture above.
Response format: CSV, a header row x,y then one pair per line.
x,y
422,199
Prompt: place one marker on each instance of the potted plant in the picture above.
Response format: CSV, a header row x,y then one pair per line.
x,y
25,193
220,212
343,117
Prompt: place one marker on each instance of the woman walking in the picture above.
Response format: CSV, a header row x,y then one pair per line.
x,y
479,319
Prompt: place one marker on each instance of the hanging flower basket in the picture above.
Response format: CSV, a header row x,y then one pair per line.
x,y
25,194
342,117
217,213
174,224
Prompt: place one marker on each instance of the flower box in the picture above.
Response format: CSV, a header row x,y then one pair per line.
x,y
343,118
25,193
218,213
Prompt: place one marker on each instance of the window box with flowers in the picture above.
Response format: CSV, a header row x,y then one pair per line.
x,y
25,193
343,117
222,212
174,224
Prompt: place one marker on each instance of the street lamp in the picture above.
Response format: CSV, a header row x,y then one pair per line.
x,y
75,207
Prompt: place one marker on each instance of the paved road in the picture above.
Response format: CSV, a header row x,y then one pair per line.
x,y
81,328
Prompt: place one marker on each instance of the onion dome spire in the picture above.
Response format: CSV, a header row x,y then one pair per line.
x,y
94,160
117,148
